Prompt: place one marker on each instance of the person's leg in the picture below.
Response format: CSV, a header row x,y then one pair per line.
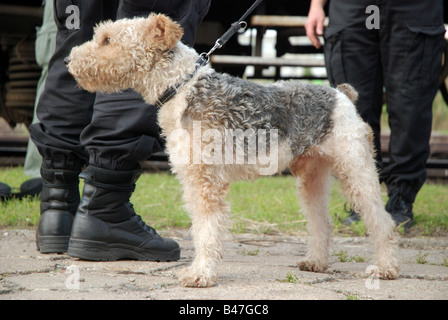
x,y
412,47
63,110
352,56
123,129
123,132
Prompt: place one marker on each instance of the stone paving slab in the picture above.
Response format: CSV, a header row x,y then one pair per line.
x,y
255,267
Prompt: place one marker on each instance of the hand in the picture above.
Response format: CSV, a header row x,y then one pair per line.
x,y
314,25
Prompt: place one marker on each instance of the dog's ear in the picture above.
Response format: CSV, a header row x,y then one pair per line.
x,y
162,32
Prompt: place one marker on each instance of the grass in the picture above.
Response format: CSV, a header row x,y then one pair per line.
x,y
291,277
344,257
421,258
354,296
267,206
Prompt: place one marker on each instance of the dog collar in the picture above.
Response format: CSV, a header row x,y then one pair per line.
x,y
171,91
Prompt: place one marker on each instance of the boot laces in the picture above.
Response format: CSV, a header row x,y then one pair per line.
x,y
142,223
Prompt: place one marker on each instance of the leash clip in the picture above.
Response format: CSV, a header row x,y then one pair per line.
x,y
217,45
243,27
239,26
205,57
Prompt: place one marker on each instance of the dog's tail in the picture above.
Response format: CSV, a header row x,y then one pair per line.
x,y
349,91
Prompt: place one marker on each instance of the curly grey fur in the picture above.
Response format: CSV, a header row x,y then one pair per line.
x,y
300,112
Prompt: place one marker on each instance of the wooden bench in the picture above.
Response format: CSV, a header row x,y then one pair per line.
x,y
267,21
265,62
307,56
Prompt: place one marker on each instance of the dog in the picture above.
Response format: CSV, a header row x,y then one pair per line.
x,y
314,130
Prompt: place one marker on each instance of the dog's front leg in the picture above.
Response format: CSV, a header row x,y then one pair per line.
x,y
204,200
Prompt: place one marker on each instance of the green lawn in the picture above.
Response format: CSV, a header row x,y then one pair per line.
x,y
267,205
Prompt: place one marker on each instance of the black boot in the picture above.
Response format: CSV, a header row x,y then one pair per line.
x,y
106,227
59,201
400,210
353,217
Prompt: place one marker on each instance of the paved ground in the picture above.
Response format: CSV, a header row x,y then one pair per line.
x,y
254,267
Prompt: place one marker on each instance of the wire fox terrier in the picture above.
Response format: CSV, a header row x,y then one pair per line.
x,y
313,130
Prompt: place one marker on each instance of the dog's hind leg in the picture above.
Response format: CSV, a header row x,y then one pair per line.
x,y
350,150
313,185
204,195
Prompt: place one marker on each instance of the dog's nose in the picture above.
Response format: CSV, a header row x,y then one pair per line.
x,y
66,60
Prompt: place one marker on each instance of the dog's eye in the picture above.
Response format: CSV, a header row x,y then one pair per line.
x,y
106,41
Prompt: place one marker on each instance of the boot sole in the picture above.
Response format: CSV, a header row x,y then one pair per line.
x,y
52,244
101,251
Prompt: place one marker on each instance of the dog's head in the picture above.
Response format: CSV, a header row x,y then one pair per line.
x,y
121,52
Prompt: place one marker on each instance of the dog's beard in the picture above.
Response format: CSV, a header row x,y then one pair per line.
x,y
96,83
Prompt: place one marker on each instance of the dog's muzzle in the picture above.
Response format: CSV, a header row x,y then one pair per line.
x,y
66,60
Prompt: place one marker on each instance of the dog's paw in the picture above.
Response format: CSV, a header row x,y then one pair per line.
x,y
389,271
190,277
312,265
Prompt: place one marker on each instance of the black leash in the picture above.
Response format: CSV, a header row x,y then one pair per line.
x,y
236,27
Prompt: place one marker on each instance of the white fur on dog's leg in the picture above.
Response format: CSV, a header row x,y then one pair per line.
x,y
198,275
313,185
388,270
369,204
385,246
207,242
204,200
312,265
351,150
208,252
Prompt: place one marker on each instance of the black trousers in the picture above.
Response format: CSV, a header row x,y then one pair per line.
x,y
402,56
111,131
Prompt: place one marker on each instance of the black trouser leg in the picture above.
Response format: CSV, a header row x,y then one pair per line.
x,y
64,109
124,129
353,56
122,132
112,133
406,52
411,48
